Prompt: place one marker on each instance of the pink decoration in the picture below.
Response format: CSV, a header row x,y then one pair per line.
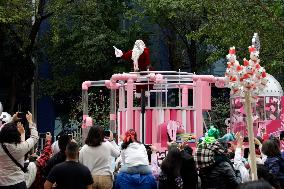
x,y
129,104
137,123
84,126
89,122
86,85
173,114
155,122
112,116
179,116
206,91
172,128
159,78
198,105
272,107
184,102
167,115
242,110
150,120
124,128
111,84
188,121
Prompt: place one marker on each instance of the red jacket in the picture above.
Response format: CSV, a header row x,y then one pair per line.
x,y
143,61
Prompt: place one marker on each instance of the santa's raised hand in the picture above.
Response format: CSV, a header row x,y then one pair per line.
x,y
118,52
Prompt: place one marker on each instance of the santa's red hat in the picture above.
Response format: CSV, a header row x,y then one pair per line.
x,y
252,49
239,68
232,50
246,62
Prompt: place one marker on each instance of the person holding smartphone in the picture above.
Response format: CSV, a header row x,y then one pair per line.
x,y
96,153
12,151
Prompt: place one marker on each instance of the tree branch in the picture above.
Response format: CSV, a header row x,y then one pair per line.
x,y
36,26
269,13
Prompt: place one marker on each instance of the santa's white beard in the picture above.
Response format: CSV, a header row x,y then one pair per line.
x,y
136,52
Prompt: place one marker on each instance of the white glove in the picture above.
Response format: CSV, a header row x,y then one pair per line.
x,y
118,53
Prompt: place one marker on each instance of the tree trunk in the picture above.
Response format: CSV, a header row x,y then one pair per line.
x,y
13,95
192,55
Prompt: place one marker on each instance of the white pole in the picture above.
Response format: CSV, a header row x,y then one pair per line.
x,y
250,135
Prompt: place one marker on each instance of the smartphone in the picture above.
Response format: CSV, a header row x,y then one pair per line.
x,y
24,121
282,135
22,117
107,133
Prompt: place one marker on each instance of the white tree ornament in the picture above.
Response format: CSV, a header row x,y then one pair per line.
x,y
247,80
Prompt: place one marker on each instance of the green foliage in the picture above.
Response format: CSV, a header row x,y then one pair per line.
x,y
232,23
99,104
214,26
15,11
16,67
79,47
219,113
179,20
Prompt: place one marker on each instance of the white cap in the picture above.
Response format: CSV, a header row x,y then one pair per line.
x,y
6,117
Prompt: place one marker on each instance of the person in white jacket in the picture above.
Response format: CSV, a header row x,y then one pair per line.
x,y
134,155
95,154
11,138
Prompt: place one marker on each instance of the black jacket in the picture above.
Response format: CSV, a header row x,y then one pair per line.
x,y
220,176
188,171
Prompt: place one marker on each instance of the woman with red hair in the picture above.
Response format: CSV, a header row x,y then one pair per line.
x,y
135,165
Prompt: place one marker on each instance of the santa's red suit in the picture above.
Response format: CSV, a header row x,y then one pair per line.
x,y
143,61
140,56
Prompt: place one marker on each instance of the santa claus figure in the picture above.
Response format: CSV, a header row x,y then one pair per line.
x,y
140,55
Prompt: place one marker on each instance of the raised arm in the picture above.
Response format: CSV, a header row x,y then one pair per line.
x,y
45,155
27,145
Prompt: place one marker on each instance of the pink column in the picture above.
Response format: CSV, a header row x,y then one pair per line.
x,y
133,120
123,122
179,117
119,125
130,87
155,122
148,128
137,124
121,97
167,115
184,102
173,114
192,122
188,123
206,94
198,107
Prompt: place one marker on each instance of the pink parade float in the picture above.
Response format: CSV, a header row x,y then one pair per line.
x,y
157,120
160,119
